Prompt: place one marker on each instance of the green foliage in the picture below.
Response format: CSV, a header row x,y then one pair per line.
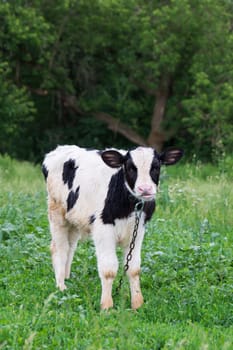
x,y
111,56
16,110
210,102
187,272
19,177
23,41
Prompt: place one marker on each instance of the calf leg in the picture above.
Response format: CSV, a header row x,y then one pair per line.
x,y
73,240
133,271
59,250
60,243
105,245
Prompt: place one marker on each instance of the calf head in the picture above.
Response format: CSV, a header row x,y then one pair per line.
x,y
141,168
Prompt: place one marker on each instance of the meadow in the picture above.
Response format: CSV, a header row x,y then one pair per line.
x,y
187,270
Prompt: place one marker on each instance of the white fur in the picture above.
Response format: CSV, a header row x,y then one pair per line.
x,y
93,176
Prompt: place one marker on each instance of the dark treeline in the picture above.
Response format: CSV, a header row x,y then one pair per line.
x,y
116,72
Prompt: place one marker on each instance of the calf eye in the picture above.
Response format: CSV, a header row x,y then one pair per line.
x,y
154,173
131,168
130,173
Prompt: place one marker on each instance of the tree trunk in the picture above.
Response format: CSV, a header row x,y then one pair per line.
x,y
156,137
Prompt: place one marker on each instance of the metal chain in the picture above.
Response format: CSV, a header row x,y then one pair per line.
x,y
138,209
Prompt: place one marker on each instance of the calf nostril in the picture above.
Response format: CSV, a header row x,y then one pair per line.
x,y
145,189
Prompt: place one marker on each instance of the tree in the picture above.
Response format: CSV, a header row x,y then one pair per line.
x,y
16,109
156,72
22,38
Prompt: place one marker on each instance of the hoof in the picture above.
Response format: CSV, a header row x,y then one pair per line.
x,y
137,301
61,286
106,304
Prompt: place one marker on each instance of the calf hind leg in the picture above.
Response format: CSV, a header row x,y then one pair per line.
x,y
60,241
73,240
59,250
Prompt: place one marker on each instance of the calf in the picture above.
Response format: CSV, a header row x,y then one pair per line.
x,y
94,193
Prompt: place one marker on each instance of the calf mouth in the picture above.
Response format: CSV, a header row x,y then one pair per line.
x,y
146,197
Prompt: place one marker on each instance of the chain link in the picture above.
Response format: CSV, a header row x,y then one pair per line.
x,y
138,209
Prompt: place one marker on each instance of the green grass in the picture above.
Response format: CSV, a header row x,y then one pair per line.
x,y
187,270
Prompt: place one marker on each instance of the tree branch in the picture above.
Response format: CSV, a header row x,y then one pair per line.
x,y
40,92
70,101
142,85
117,126
113,124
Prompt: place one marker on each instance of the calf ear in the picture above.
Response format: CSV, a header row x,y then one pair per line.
x,y
112,158
171,156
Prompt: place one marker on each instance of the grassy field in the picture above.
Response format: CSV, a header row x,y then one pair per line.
x,y
187,270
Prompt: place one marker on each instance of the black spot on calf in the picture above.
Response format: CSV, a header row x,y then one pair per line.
x,y
92,219
149,208
45,171
68,173
72,198
119,202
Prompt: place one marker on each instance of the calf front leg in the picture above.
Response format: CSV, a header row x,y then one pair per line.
x,y
133,271
136,294
105,245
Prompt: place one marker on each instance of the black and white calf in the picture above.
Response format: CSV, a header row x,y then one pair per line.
x,y
93,193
